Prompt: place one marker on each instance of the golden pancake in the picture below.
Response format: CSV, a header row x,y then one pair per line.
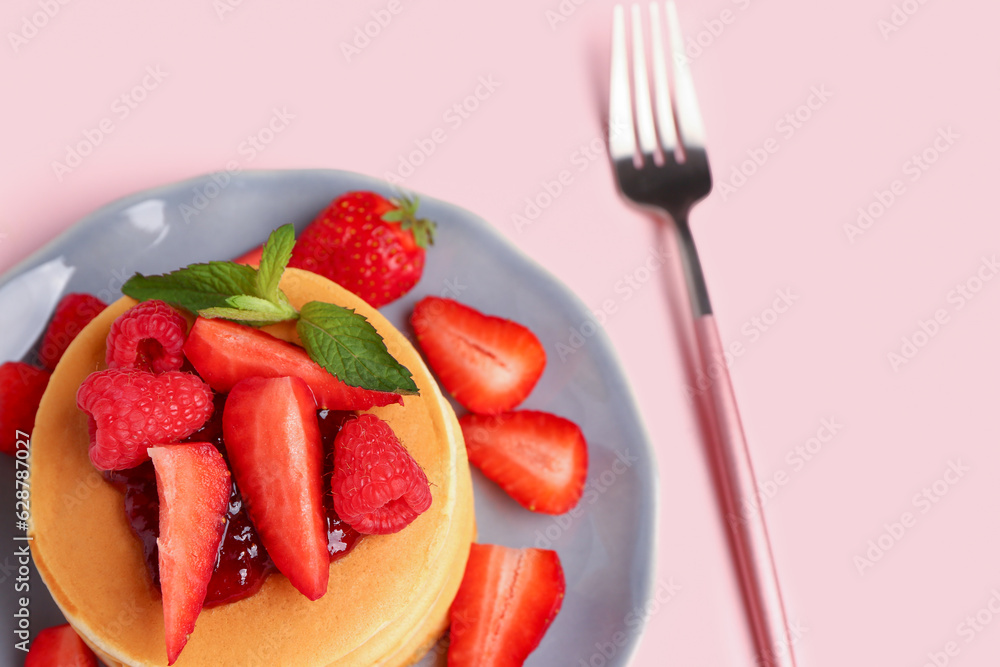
x,y
387,600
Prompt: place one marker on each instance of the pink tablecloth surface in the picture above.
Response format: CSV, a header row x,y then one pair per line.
x,y
851,246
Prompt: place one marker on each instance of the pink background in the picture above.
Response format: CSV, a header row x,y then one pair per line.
x,y
826,357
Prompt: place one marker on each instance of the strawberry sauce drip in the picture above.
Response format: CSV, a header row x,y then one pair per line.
x,y
341,538
243,563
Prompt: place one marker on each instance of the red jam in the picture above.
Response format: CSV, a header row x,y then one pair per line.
x,y
243,563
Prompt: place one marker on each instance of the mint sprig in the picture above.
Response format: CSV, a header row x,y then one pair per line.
x,y
346,344
338,339
196,287
274,259
251,310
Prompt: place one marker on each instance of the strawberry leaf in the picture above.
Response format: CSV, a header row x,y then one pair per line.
x,y
348,346
196,287
405,214
274,259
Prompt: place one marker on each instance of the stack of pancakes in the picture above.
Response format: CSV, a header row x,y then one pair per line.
x,y
387,600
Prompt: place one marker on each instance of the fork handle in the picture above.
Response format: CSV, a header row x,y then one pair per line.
x,y
748,532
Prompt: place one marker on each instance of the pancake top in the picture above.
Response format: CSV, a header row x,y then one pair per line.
x,y
92,562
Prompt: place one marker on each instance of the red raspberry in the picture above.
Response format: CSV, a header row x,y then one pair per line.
x,y
133,410
377,486
72,314
21,387
148,337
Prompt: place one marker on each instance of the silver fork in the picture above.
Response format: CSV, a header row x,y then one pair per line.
x,y
658,149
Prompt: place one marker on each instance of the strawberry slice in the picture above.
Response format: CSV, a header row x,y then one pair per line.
x,y
506,603
58,646
193,485
21,388
224,353
536,457
276,453
489,364
251,257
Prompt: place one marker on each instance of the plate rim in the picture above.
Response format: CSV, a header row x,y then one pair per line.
x,y
625,388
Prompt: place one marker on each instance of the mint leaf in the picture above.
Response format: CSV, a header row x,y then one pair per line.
x,y
347,345
196,287
274,259
279,311
252,317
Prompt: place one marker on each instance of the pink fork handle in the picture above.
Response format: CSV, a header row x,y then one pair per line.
x,y
748,532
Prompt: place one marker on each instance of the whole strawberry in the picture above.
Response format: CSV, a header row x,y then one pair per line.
x,y
367,244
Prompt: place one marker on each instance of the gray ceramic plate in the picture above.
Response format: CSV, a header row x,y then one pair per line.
x,y
606,545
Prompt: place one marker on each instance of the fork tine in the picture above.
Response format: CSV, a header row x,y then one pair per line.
x,y
692,130
661,90
640,78
621,132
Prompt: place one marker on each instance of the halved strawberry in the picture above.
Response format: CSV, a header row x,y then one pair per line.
x,y
224,353
21,388
489,364
538,458
72,314
276,453
193,485
59,646
506,603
